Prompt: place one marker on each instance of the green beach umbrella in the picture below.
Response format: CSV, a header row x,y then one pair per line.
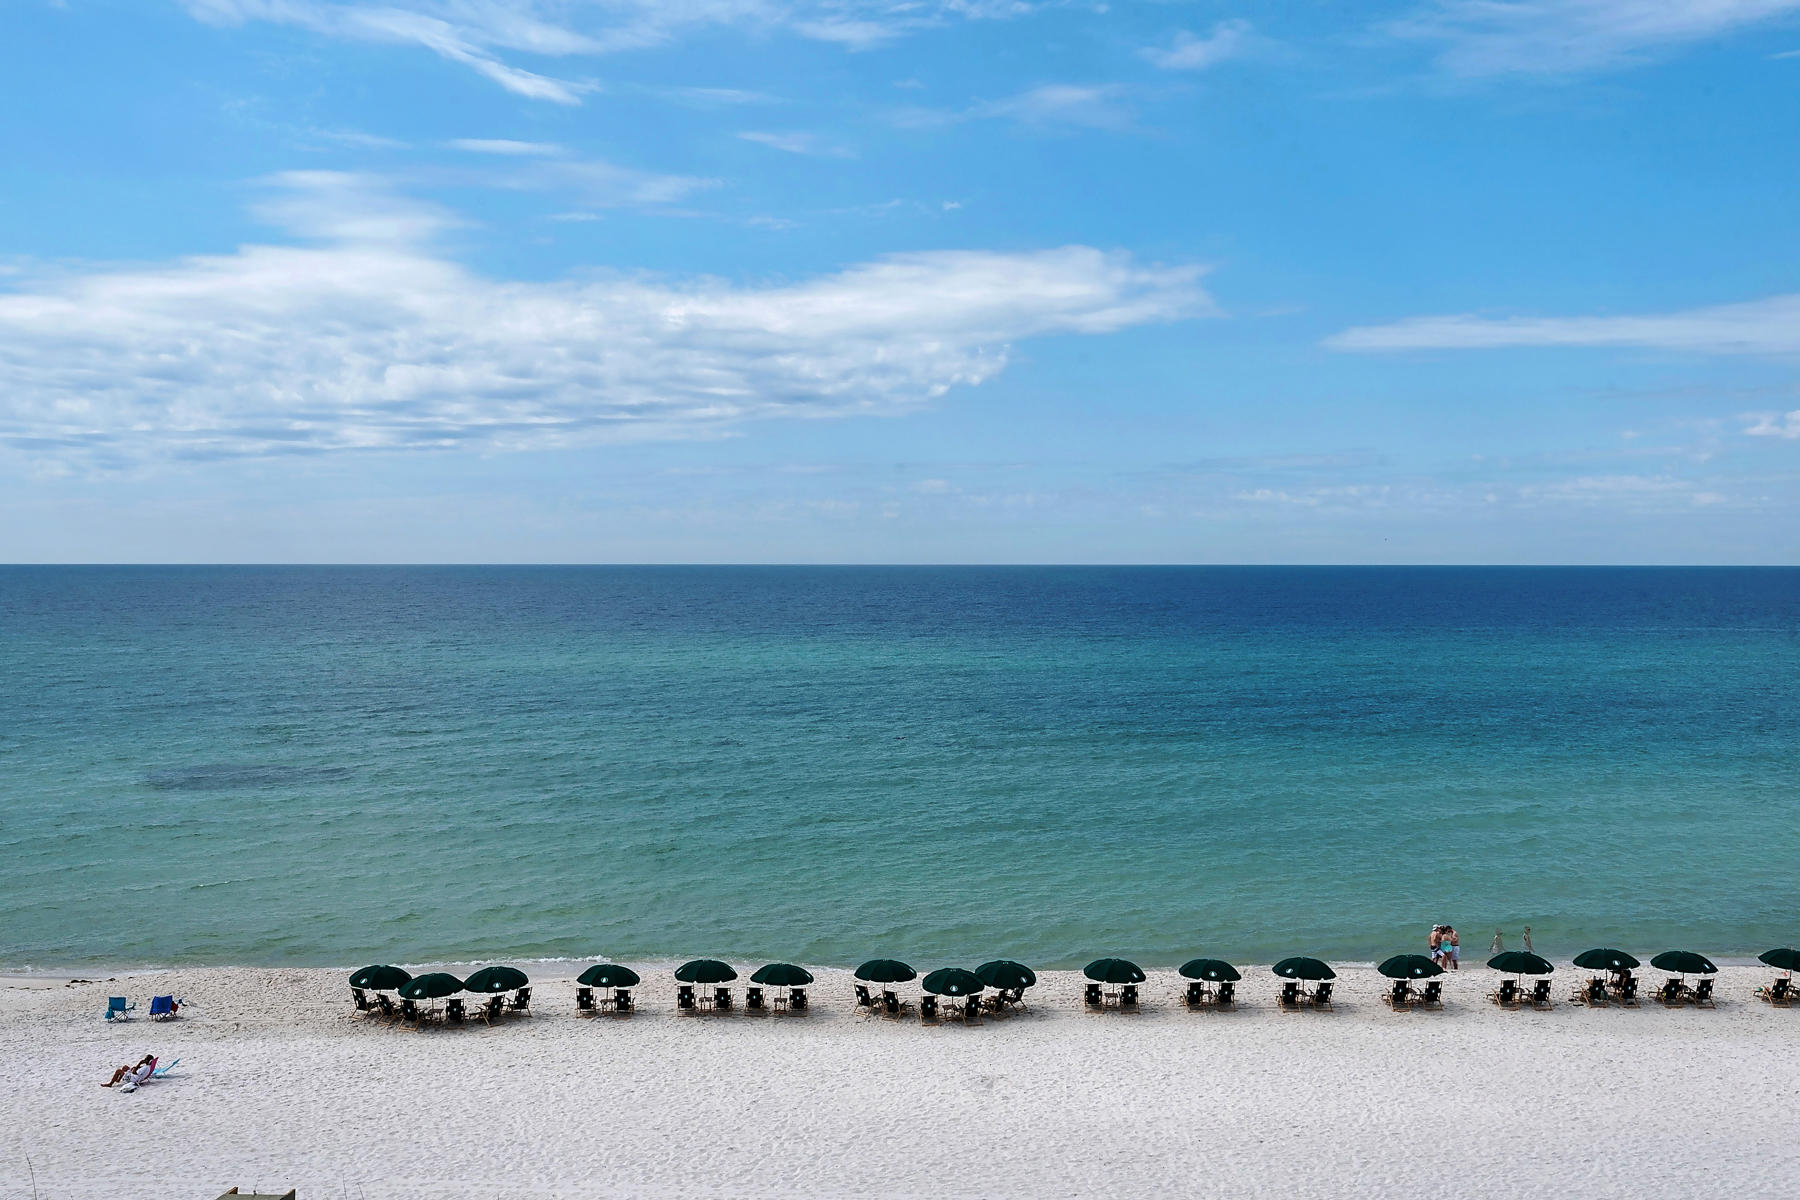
x,y
434,986
704,970
782,975
608,975
1784,959
1005,973
1519,962
1302,967
1605,959
1683,962
885,970
1213,970
952,981
496,979
1113,970
380,978
1409,966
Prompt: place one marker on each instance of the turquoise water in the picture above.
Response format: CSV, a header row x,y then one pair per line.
x,y
335,765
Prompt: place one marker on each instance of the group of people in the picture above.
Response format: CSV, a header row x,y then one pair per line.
x,y
1445,947
127,1078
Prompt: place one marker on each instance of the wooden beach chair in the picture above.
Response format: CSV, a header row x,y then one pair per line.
x,y
621,1002
685,1000
1592,993
928,1010
1225,996
1780,993
1507,994
753,1000
1702,994
493,1010
521,1003
971,1011
1289,999
1128,998
362,1000
584,1002
1093,997
1195,996
1433,995
386,1003
1540,995
1672,993
453,1011
865,1001
796,1000
1399,996
411,1013
722,999
1321,997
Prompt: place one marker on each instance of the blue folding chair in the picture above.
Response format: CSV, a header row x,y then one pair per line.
x,y
117,1009
162,1008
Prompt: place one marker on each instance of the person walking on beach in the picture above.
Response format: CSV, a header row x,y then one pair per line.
x,y
1436,944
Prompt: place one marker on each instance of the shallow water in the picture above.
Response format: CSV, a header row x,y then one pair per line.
x,y
332,765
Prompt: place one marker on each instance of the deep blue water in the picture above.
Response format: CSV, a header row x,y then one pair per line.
x,y
332,765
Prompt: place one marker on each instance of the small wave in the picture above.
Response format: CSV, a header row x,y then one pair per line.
x,y
230,777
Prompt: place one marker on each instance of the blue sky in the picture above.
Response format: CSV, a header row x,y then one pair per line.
x,y
900,281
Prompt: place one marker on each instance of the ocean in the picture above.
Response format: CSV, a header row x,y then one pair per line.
x,y
324,765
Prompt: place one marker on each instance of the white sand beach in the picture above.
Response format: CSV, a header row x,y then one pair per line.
x,y
280,1085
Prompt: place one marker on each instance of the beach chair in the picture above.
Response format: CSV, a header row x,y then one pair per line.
x,y
1627,992
684,998
1702,995
796,1000
1225,996
1321,996
1592,993
1671,993
891,1004
164,1008
453,1011
1507,995
410,1013
722,999
621,1002
164,1069
971,1010
1540,995
1016,999
1195,996
864,1000
492,1011
928,1010
1093,997
1128,998
1289,999
1781,992
357,994
1399,995
1433,995
753,1000
118,1010
386,1003
521,1002
584,1002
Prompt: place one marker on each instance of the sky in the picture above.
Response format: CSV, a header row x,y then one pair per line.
x,y
893,281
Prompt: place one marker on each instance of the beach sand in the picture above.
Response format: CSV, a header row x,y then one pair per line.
x,y
280,1085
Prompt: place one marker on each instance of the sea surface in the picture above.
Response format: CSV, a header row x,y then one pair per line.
x,y
337,765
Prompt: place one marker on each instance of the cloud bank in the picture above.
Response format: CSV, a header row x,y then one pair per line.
x,y
367,338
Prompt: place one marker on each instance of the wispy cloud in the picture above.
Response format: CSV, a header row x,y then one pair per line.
x,y
1486,38
371,339
549,167
1193,52
1773,424
507,147
476,33
795,142
1770,326
1091,106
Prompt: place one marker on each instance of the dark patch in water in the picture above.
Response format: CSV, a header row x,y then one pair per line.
x,y
232,777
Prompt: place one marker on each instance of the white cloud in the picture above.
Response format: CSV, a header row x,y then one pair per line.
x,y
474,33
1770,326
1191,52
1775,425
1097,106
795,142
370,339
507,147
1483,38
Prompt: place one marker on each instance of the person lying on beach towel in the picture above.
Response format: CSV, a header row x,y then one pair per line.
x,y
133,1074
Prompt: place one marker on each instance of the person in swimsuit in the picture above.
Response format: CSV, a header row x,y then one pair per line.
x,y
1451,946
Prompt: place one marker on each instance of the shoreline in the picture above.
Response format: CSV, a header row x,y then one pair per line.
x,y
279,1082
